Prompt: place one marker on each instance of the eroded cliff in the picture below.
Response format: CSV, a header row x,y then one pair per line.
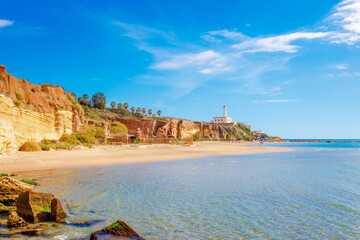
x,y
32,112
180,129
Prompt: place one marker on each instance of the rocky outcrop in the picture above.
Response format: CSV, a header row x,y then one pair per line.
x,y
181,129
35,207
106,127
14,220
146,126
117,230
29,112
57,211
10,190
209,131
187,129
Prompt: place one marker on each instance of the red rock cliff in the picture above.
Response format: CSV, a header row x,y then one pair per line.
x,y
32,112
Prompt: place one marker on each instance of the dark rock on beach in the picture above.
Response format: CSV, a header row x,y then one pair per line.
x,y
57,211
14,220
35,207
21,232
117,230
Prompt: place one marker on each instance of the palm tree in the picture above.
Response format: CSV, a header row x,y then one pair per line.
x,y
143,110
138,110
120,106
159,112
126,106
113,104
132,109
150,112
85,98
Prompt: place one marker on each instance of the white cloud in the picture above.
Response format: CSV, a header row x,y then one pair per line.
x,y
275,89
280,43
211,39
346,17
218,35
344,75
228,34
5,23
206,62
185,66
341,66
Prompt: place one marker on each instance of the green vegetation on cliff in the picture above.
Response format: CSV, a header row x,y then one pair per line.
x,y
118,128
86,136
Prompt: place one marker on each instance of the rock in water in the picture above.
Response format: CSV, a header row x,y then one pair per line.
x,y
10,190
34,207
31,232
117,230
57,211
15,221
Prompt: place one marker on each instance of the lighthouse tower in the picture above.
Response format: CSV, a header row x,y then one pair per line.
x,y
225,120
224,112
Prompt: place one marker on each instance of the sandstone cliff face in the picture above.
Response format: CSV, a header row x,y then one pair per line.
x,y
147,126
41,112
178,129
31,96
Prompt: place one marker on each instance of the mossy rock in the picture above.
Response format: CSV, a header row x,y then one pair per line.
x,y
3,209
31,182
117,229
34,207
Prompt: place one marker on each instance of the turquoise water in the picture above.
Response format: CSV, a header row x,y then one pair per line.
x,y
322,145
312,193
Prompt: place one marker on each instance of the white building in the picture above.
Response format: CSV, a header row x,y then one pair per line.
x,y
224,119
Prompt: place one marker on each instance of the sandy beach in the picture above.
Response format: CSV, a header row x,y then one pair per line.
x,y
116,154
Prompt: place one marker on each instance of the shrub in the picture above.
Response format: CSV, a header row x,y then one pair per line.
x,y
17,103
263,135
118,128
30,146
46,147
69,139
90,135
227,137
46,142
244,128
196,137
19,96
31,182
47,85
4,174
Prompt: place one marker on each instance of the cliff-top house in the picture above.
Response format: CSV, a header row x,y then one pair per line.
x,y
224,120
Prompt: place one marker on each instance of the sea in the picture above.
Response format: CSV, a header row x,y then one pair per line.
x,y
310,193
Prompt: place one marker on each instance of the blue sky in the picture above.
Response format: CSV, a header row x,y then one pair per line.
x,y
290,68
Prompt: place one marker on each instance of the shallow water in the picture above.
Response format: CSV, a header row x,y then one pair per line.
x,y
312,193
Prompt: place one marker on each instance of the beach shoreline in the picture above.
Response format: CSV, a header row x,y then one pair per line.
x,y
124,154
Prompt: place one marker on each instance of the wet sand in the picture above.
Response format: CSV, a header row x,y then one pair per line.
x,y
117,154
